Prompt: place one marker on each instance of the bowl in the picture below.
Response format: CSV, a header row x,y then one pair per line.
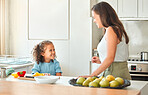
x,y
46,79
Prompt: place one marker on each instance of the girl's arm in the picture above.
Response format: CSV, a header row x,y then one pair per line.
x,y
112,41
58,74
58,68
35,68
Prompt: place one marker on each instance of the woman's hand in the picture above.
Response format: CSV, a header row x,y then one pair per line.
x,y
95,59
86,76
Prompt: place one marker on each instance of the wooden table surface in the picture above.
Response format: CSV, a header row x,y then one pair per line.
x,y
23,88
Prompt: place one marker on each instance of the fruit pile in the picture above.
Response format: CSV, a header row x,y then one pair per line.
x,y
108,81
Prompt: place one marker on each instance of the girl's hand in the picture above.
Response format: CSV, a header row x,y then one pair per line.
x,y
95,59
58,74
47,74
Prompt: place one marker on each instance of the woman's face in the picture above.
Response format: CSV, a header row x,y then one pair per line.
x,y
49,52
97,19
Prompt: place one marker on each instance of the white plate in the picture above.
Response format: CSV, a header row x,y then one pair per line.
x,y
46,79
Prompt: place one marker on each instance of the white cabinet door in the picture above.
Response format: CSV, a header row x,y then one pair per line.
x,y
142,8
127,8
113,3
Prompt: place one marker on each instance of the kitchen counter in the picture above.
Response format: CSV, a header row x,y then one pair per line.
x,y
12,86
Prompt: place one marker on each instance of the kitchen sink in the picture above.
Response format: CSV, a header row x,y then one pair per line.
x,y
13,60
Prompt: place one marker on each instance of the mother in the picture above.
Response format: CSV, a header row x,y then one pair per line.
x,y
113,48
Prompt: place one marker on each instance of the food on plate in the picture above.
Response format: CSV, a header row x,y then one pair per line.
x,y
94,77
86,83
38,74
90,79
120,80
93,84
114,83
21,74
80,80
101,77
108,81
110,77
97,80
104,83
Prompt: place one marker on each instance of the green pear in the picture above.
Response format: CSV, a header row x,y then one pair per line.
x,y
93,84
101,77
80,80
94,77
120,80
104,83
90,78
114,83
97,80
86,83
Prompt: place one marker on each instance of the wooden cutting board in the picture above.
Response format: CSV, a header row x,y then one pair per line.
x,y
24,78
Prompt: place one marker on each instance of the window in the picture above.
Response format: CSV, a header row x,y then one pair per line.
x,y
2,27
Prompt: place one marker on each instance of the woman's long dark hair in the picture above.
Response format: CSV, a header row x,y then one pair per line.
x,y
109,17
38,49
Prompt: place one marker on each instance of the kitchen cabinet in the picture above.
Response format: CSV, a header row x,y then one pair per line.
x,y
130,9
127,8
142,8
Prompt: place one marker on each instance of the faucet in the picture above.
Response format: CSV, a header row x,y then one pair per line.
x,y
3,72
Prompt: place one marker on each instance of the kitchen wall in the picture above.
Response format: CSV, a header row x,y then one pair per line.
x,y
73,54
137,32
138,35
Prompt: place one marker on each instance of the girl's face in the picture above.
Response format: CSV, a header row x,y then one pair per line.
x,y
97,19
49,52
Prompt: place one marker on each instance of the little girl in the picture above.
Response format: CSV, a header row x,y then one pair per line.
x,y
44,55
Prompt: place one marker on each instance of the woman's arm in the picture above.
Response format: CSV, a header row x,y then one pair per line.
x,y
112,41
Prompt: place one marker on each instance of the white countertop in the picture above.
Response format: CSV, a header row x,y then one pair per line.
x,y
135,85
